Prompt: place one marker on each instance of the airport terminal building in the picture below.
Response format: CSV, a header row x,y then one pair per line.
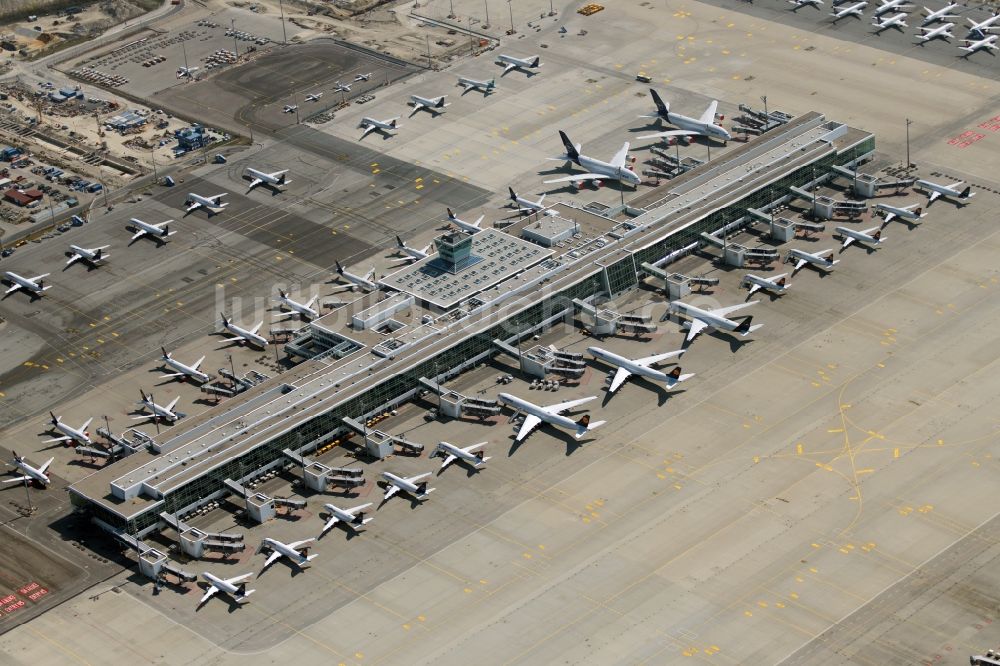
x,y
447,313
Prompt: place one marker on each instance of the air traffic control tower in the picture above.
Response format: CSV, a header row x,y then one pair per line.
x,y
441,315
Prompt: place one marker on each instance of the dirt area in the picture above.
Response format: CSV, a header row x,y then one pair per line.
x,y
27,38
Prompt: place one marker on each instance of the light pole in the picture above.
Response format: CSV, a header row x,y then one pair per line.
x,y
767,118
908,123
552,10
427,38
236,47
486,7
511,8
152,158
284,35
451,5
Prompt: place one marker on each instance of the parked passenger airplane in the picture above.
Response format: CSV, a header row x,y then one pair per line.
x,y
412,253
365,282
535,415
93,256
870,237
432,104
856,10
626,367
235,587
384,127
418,491
817,259
526,65
971,46
314,97
898,21
911,212
941,31
157,232
470,454
468,227
935,191
297,552
212,204
701,320
275,180
597,170
485,87
69,433
776,284
32,286
297,309
242,334
940,14
37,475
890,5
183,371
157,411
706,125
352,518
802,3
526,206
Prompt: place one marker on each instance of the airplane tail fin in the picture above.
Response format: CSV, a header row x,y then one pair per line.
x,y
513,197
283,294
781,282
536,62
399,242
878,235
661,106
359,518
97,255
54,419
585,424
675,373
744,327
340,269
164,350
571,151
481,455
965,193
422,488
392,124
440,103
225,321
281,179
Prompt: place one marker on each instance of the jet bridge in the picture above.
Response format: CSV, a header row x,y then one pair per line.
x,y
609,322
455,405
539,361
379,444
153,563
195,543
867,186
318,477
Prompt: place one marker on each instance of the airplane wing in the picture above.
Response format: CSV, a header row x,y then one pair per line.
x,y
697,326
660,135
238,579
56,439
657,358
173,402
932,195
19,479
620,376
75,257
530,423
390,491
12,289
272,558
754,288
44,467
619,159
560,407
800,263
578,177
449,460
416,107
139,234
508,69
330,523
889,217
257,327
725,312
254,183
709,115
238,338
295,545
193,206
212,589
197,364
173,375
847,241
368,130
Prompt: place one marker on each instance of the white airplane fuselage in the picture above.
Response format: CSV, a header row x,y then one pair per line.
x,y
891,5
161,230
406,485
694,125
301,308
89,255
475,459
300,560
640,370
77,434
186,370
268,178
484,86
232,590
27,469
213,204
526,407
774,284
352,518
936,191
815,258
904,213
859,236
694,312
249,336
34,285
159,410
939,14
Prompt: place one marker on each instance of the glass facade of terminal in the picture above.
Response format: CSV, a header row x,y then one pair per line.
x,y
618,276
